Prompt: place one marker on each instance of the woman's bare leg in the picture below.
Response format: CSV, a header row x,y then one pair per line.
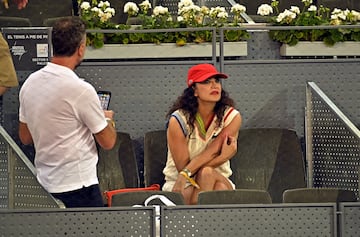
x,y
209,179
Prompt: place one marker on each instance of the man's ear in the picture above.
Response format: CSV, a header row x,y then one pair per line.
x,y
81,50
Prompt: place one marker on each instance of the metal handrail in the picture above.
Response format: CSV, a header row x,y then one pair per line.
x,y
335,109
242,26
17,150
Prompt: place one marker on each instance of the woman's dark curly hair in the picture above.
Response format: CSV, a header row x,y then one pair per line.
x,y
188,103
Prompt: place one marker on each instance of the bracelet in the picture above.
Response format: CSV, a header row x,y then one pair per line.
x,y
191,180
111,121
187,171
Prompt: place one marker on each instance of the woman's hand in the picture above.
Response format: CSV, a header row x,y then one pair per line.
x,y
180,184
229,146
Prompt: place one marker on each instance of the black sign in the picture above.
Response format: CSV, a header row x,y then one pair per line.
x,y
30,47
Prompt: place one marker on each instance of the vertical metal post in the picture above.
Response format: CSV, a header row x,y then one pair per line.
x,y
11,177
214,46
221,49
309,136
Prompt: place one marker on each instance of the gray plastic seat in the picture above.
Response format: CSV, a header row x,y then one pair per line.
x,y
268,159
138,198
238,196
9,21
318,195
49,22
117,168
155,156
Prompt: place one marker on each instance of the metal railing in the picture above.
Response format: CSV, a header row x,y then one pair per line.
x,y
332,143
19,187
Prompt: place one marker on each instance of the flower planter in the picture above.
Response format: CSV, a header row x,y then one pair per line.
x,y
165,50
320,49
232,49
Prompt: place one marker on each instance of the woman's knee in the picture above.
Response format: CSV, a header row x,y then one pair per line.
x,y
222,186
205,172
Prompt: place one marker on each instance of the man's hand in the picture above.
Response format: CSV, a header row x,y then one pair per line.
x,y
109,114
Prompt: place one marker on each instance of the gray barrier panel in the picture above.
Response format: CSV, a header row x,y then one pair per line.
x,y
350,221
77,222
19,187
249,220
333,144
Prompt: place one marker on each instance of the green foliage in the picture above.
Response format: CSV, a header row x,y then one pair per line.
x,y
159,18
236,35
310,15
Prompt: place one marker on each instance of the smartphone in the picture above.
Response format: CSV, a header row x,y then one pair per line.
x,y
104,97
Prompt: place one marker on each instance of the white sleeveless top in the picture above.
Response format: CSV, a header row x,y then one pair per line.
x,y
196,143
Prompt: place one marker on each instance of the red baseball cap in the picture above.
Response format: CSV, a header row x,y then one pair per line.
x,y
202,72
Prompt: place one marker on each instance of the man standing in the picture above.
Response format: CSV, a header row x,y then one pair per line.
x,y
61,115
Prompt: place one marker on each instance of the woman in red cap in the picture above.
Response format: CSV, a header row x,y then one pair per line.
x,y
202,136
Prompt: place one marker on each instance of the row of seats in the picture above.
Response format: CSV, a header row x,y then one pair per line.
x,y
7,21
268,159
269,163
240,196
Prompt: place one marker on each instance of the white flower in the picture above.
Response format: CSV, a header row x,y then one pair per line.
x,y
192,9
356,14
237,8
185,3
95,9
312,8
160,10
338,15
286,15
265,10
110,10
180,19
85,6
131,8
191,13
307,1
280,17
222,15
205,10
336,11
218,12
104,16
295,9
103,4
342,15
145,5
